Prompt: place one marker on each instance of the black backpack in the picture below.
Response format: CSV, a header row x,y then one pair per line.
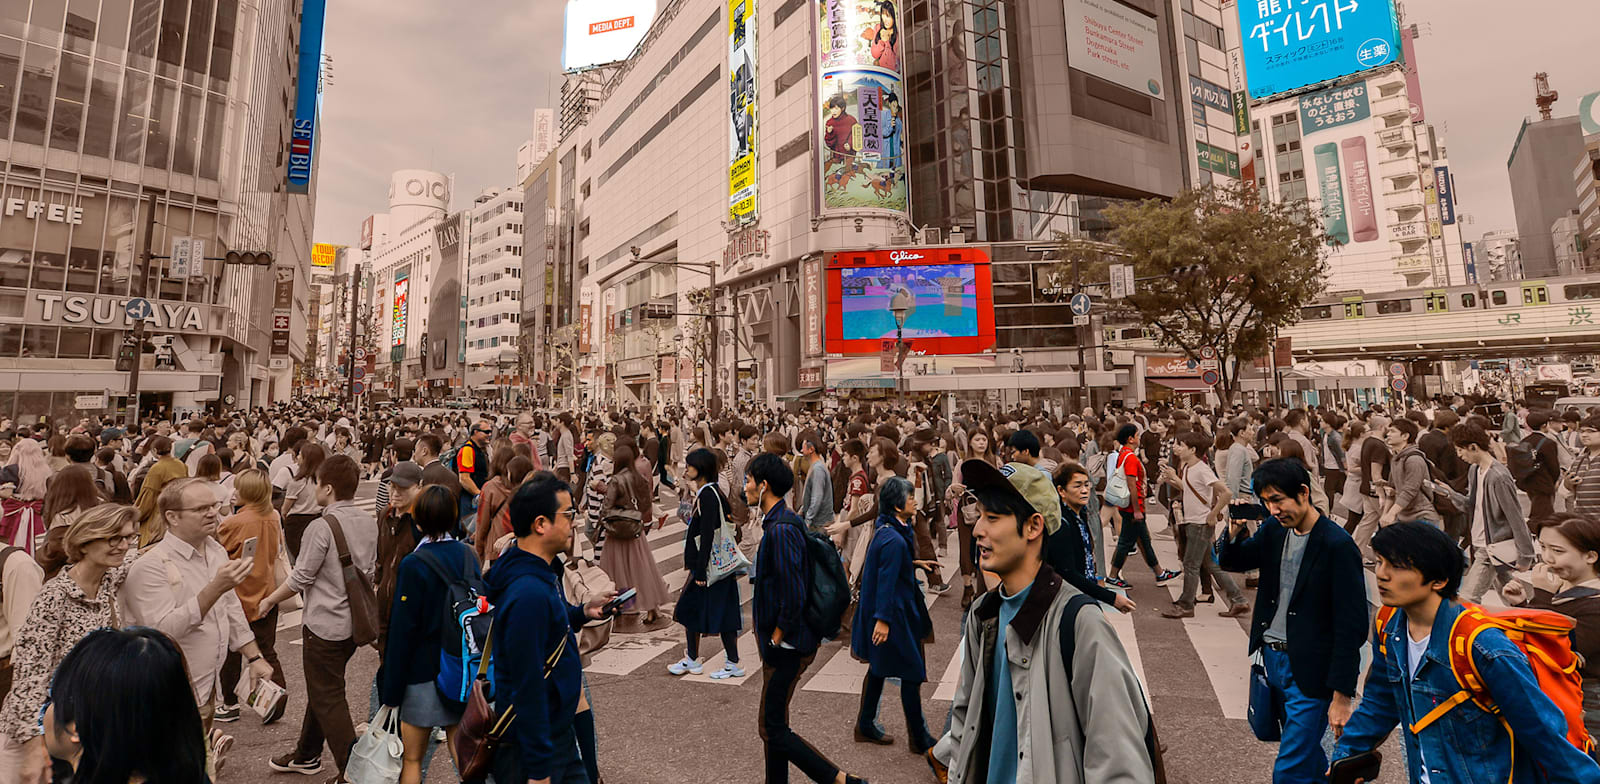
x,y
1069,644
1522,458
828,594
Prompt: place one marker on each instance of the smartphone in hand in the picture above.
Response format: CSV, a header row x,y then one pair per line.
x,y
248,551
614,607
1360,768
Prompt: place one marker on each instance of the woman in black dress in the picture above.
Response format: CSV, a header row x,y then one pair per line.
x,y
706,608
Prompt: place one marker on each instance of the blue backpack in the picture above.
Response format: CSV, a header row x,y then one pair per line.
x,y
465,632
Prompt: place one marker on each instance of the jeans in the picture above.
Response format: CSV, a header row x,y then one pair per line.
x,y
1134,532
1480,577
1301,759
1197,559
910,703
327,711
780,674
566,765
266,633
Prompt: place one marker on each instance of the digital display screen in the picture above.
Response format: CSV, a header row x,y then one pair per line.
x,y
941,301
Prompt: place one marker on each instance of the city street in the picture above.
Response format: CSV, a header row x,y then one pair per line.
x,y
656,728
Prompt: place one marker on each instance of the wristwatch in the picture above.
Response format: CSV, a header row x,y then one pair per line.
x,y
253,659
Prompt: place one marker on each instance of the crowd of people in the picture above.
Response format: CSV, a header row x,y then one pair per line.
x,y
139,563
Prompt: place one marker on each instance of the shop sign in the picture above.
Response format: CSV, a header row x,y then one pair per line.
x,y
811,285
1169,367
744,243
810,378
89,402
639,366
34,210
47,307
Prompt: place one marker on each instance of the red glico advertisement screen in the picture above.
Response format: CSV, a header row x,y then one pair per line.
x,y
947,293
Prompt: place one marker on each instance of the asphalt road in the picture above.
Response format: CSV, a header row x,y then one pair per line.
x,y
659,729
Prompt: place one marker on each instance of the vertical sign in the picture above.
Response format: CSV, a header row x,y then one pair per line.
x,y
1119,284
1360,208
811,284
397,316
303,134
1446,188
366,233
860,117
282,307
1469,254
1408,49
197,256
742,111
1334,220
444,298
178,262
1241,118
585,326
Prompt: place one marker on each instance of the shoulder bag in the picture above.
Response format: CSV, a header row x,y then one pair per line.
x,y
583,582
726,560
481,731
359,593
625,522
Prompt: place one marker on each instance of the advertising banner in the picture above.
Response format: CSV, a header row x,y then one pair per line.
x,y
742,111
1408,47
444,299
324,254
1589,113
282,288
1213,95
1446,188
307,95
1334,107
397,314
1469,254
861,116
1116,43
1334,220
585,326
1288,45
811,295
1359,205
366,233
601,32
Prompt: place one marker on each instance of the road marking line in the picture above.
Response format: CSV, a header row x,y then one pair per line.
x,y
1220,643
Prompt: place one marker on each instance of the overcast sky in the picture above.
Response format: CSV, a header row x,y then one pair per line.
x,y
452,87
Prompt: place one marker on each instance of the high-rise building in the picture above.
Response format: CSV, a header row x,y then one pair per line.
x,y
410,269
1586,182
1499,256
1540,168
494,289
126,104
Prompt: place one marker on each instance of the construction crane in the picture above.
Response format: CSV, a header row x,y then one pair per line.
x,y
1543,96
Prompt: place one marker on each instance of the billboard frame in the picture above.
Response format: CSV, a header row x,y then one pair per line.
x,y
834,342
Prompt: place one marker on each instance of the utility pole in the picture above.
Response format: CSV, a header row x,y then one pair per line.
x,y
1083,370
139,326
350,358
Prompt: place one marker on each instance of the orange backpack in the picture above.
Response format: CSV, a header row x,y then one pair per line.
x,y
1543,636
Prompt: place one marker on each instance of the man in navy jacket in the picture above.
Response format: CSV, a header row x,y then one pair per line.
x,y
536,666
1310,616
786,644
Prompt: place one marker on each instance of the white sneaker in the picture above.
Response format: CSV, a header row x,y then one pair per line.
x,y
687,665
729,670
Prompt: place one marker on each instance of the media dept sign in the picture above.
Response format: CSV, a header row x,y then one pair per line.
x,y
599,32
1289,44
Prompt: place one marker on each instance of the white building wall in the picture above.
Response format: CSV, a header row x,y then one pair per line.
x,y
493,285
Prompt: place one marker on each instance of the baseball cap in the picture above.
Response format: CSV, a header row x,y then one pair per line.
x,y
111,434
406,474
1026,483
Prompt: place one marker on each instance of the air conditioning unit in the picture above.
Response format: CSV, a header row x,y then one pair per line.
x,y
898,238
932,236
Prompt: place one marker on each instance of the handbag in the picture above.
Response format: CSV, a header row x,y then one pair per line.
x,y
480,731
375,759
583,582
726,560
1118,493
359,593
280,575
627,522
1265,714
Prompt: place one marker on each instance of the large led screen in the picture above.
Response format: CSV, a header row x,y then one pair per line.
x,y
600,32
1289,45
946,293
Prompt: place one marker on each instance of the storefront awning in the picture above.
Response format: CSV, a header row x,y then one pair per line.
x,y
799,394
1182,384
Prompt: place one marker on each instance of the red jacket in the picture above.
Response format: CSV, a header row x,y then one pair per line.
x,y
1129,460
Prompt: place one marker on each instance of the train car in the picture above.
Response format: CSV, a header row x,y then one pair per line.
x,y
1518,294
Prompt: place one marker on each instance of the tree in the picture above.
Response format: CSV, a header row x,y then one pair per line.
x,y
1248,266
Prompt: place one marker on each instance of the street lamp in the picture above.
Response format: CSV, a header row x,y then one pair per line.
x,y
677,365
900,307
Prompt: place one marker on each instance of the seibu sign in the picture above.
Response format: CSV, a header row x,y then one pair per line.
x,y
70,309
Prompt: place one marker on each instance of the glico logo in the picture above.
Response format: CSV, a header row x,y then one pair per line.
x,y
903,255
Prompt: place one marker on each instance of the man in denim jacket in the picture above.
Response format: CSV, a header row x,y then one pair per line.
x,y
1419,571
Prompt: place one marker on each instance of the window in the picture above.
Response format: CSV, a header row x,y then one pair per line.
x,y
1582,291
1394,306
1469,300
1497,297
1355,309
1535,295
1316,313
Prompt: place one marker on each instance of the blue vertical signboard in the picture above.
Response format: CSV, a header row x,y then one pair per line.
x,y
1447,200
303,134
1289,44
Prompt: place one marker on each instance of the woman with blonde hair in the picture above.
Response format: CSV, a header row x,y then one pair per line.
x,y
71,493
255,520
22,488
78,600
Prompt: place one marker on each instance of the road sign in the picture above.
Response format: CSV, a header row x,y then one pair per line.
x,y
229,399
1208,352
1398,383
280,321
1119,284
1397,368
1080,321
1081,304
1192,364
140,309
358,388
1210,378
361,353
89,402
178,262
1210,364
361,372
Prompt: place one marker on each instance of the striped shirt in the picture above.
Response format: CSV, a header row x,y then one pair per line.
x,y
1586,496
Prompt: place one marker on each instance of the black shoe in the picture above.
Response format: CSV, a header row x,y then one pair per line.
x,y
923,746
873,734
849,779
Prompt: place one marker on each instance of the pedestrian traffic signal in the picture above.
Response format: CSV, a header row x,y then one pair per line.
x,y
127,354
249,257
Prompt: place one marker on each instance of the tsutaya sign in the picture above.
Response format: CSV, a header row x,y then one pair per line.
x,y
52,308
33,210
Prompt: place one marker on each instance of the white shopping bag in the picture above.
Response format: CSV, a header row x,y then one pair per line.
x,y
376,756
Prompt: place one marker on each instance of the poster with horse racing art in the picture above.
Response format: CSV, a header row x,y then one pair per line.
x,y
863,141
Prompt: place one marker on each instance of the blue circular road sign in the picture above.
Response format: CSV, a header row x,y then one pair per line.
x,y
140,309
1080,304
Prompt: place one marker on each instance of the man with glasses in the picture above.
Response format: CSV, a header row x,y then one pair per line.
x,y
472,468
1584,478
184,587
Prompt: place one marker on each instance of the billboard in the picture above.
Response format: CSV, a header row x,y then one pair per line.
x,y
1446,188
324,254
861,115
366,233
1116,43
307,94
1408,47
1333,107
397,314
601,32
741,111
947,293
1289,45
444,298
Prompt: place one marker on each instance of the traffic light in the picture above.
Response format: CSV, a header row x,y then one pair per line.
x,y
1188,271
249,258
127,354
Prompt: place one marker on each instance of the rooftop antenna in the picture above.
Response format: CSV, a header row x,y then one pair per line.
x,y
1544,97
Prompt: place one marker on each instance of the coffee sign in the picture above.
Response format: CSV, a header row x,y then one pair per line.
x,y
34,210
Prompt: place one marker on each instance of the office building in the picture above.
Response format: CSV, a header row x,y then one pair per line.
x,y
1540,170
1499,256
116,103
494,290
416,288
1586,182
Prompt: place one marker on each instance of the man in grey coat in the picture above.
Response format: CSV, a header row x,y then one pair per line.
x,y
1408,475
1054,649
816,501
1496,529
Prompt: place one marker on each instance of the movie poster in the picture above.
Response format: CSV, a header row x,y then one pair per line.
x,y
742,111
861,112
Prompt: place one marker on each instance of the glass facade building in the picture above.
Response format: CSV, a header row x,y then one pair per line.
x,y
110,107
